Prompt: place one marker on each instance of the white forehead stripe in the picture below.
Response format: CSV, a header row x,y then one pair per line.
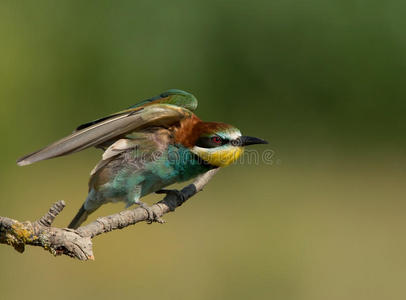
x,y
230,134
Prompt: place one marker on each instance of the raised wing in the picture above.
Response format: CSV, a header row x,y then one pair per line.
x,y
110,129
173,97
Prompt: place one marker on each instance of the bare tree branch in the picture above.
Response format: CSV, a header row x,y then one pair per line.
x,y
78,243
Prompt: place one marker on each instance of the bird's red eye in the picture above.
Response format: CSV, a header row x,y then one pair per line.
x,y
216,139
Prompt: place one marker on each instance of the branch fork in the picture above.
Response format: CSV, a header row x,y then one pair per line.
x,y
78,243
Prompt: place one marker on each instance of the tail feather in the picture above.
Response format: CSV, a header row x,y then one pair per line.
x,y
80,217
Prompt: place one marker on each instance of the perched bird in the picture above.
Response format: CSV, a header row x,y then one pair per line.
x,y
147,147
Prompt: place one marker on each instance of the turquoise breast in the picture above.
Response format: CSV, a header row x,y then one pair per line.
x,y
177,164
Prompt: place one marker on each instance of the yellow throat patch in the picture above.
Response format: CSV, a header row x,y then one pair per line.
x,y
219,157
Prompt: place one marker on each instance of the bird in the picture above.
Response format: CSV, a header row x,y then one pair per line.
x,y
147,147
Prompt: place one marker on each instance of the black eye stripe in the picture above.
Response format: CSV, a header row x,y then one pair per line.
x,y
208,142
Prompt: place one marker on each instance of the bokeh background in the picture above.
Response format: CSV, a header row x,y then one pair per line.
x,y
323,81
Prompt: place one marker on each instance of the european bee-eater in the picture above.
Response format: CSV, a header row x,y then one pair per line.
x,y
147,147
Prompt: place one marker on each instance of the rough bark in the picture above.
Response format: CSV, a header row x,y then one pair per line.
x,y
78,243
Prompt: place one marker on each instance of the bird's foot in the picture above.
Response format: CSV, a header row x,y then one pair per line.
x,y
152,217
179,195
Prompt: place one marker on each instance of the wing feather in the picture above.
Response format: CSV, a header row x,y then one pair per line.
x,y
173,97
118,147
115,149
110,129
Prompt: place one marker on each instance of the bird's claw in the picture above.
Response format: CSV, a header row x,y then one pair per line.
x,y
178,193
181,196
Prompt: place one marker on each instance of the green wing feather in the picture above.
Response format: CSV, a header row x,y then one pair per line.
x,y
169,108
173,97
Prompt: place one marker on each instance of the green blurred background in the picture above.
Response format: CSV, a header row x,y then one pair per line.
x,y
323,81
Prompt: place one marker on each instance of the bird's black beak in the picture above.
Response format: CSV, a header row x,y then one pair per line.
x,y
248,140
